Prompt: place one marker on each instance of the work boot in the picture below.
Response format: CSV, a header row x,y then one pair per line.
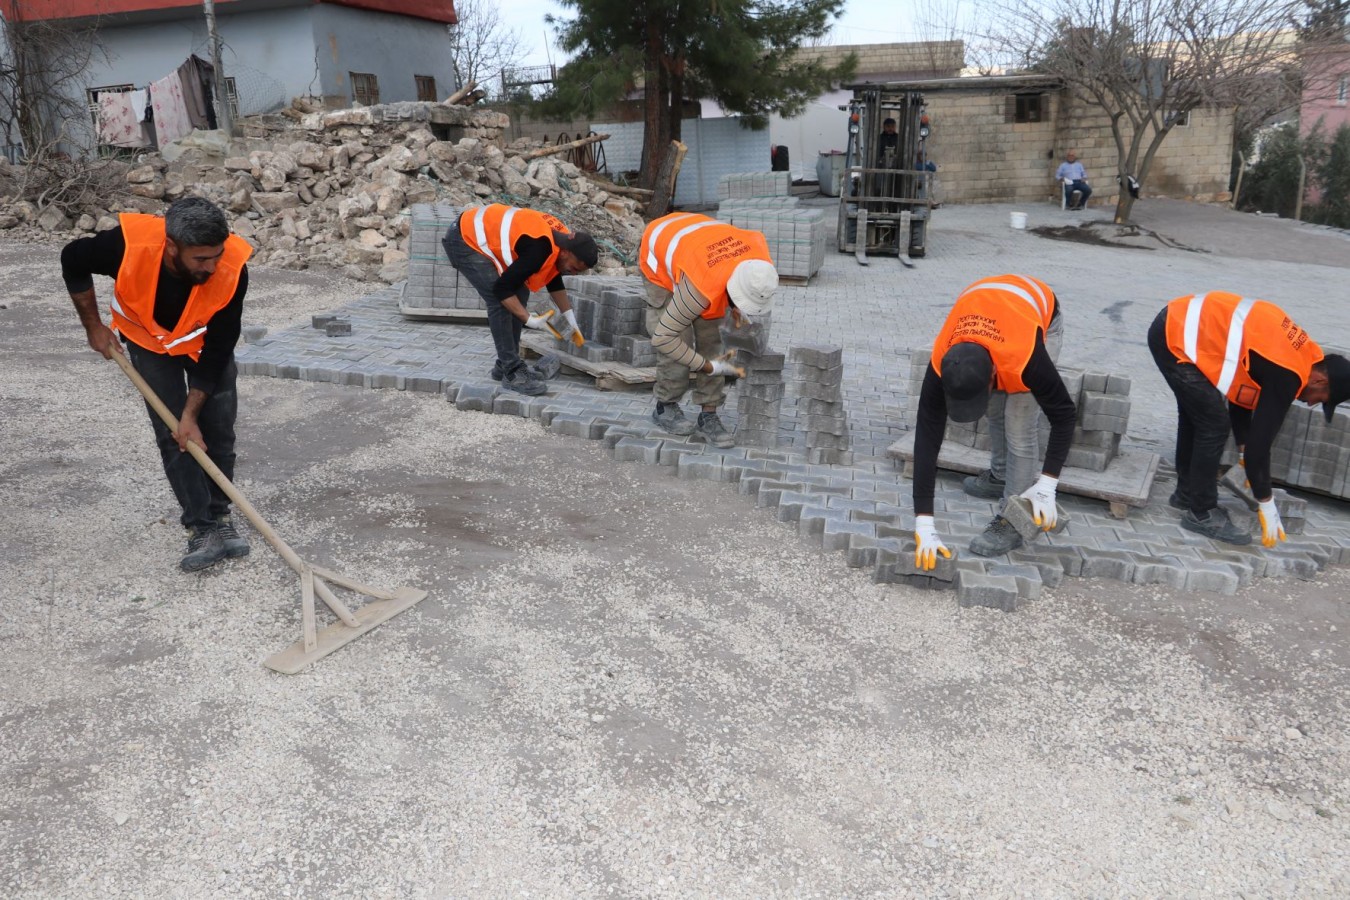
x,y
671,419
997,539
522,381
236,545
984,485
712,430
1216,525
496,372
205,549
1178,500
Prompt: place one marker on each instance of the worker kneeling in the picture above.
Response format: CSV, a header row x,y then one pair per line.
x,y
1236,364
996,353
697,268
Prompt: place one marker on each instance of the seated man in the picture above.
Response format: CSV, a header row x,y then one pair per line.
x,y
1073,177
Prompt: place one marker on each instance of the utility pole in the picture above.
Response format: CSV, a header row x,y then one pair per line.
x,y
224,118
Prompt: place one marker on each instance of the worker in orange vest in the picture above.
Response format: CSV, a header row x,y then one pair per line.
x,y
178,300
1236,364
506,253
697,270
995,353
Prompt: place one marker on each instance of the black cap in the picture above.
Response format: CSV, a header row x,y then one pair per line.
x,y
579,244
1338,382
967,377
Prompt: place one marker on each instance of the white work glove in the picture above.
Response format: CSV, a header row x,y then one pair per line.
x,y
725,367
537,321
1272,529
927,544
1042,497
571,317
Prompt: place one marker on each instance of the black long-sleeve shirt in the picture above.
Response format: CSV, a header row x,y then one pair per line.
x,y
531,254
1040,376
1255,429
102,254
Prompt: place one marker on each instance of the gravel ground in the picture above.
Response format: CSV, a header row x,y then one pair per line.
x,y
622,684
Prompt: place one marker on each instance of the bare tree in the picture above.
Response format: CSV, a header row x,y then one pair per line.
x,y
42,67
482,44
1146,64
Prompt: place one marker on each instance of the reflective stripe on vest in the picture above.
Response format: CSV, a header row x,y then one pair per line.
x,y
1232,353
656,233
679,236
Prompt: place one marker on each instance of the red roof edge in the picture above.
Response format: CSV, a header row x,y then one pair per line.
x,y
442,11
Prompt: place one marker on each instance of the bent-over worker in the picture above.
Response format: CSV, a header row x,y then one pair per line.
x,y
506,253
178,301
697,269
1236,363
996,352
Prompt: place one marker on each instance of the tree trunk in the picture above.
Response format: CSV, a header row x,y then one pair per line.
x,y
653,110
677,102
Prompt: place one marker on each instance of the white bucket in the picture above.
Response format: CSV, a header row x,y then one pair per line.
x,y
1018,220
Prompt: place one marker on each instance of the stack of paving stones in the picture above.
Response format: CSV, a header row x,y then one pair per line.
x,y
862,510
796,237
754,184
433,284
820,403
1103,403
759,398
610,313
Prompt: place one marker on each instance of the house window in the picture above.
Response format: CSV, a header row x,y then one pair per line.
x,y
1343,90
1179,120
232,95
92,95
365,88
426,87
1024,108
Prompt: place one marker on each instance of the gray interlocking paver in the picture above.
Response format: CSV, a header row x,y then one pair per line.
x,y
883,318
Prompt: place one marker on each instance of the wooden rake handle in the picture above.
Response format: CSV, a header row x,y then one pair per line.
x,y
239,500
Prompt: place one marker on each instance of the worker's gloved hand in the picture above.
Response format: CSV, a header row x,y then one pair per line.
x,y
1242,461
1272,529
537,321
725,367
571,317
1042,497
927,544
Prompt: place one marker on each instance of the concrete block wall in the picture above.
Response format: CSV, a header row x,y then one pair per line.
x,y
1103,403
796,237
432,282
716,147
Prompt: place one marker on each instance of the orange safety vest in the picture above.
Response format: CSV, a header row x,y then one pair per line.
x,y
703,250
1002,314
493,230
133,305
1216,331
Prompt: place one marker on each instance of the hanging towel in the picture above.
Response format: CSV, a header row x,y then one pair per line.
x,y
195,98
117,122
171,116
140,99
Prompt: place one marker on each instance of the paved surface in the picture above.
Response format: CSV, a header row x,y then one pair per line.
x,y
877,314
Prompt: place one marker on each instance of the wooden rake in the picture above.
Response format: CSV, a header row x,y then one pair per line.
x,y
314,580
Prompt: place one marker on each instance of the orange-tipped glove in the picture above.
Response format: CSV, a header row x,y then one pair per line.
x,y
1272,529
1042,497
927,544
576,336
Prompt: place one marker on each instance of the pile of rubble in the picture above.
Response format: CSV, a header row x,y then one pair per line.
x,y
314,188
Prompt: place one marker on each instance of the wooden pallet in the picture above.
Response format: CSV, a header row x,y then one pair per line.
x,y
1125,483
609,376
436,314
794,280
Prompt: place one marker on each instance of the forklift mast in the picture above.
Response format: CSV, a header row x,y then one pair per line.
x,y
885,201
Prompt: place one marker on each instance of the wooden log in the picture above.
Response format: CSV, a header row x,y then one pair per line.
x,y
460,94
664,188
564,148
610,187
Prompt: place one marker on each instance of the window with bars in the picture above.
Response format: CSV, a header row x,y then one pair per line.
x,y
92,96
1024,108
426,87
365,88
232,95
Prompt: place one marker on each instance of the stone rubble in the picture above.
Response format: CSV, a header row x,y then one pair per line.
x,y
334,189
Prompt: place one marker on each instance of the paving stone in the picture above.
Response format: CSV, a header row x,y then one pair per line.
x,y
1018,514
337,328
690,466
1028,578
612,434
634,449
992,591
1235,480
1114,564
574,425
1149,569
945,570
672,450
477,397
820,356
1288,561
839,533
1212,576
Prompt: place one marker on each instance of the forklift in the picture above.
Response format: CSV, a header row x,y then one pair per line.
x,y
885,201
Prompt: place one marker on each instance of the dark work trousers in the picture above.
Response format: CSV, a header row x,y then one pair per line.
x,y
201,499
1202,423
482,274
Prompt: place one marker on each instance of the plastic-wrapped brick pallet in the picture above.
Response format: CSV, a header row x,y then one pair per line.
x,y
434,284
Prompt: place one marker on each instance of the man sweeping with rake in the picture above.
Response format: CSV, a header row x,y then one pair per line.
x,y
178,302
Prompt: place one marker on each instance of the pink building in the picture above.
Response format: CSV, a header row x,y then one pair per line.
x,y
1326,94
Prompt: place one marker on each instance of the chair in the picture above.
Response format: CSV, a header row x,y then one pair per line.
x,y
1065,193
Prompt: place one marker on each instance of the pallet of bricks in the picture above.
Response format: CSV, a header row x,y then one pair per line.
x,y
610,313
743,185
434,288
796,236
1103,403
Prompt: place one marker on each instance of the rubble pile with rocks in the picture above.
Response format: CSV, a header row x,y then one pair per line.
x,y
334,188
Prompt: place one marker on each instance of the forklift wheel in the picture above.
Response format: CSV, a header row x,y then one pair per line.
x,y
917,252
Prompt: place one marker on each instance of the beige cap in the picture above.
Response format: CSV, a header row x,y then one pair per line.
x,y
752,285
